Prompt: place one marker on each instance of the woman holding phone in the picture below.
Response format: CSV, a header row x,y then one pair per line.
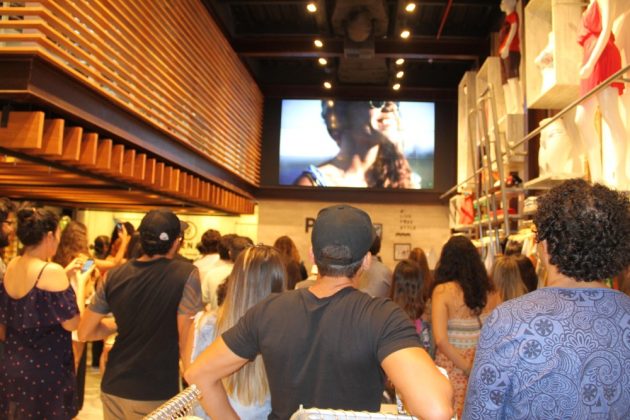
x,y
73,248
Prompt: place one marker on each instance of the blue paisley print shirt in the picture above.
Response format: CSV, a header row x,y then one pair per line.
x,y
554,354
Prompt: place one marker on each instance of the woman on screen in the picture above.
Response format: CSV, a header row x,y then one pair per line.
x,y
370,151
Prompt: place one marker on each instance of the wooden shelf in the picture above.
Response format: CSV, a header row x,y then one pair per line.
x,y
548,181
562,20
464,228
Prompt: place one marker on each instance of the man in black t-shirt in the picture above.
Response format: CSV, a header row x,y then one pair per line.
x,y
328,346
153,299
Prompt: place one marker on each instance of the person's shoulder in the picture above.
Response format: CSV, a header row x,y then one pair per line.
x,y
376,262
447,288
275,304
120,269
53,278
369,303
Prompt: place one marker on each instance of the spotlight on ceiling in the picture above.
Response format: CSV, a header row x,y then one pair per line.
x,y
312,7
400,61
400,74
327,85
405,34
396,86
410,7
318,43
323,61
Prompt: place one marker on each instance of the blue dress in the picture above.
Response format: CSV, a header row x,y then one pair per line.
x,y
554,354
37,378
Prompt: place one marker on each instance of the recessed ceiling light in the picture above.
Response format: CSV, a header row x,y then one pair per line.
x,y
396,86
400,74
400,61
323,61
327,85
318,43
311,7
405,34
410,7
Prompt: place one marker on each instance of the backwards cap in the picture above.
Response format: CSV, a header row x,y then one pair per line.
x,y
159,226
342,225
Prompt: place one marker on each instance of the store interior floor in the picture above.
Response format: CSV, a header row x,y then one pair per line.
x,y
92,407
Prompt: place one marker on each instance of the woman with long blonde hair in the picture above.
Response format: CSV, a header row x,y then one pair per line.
x,y
257,273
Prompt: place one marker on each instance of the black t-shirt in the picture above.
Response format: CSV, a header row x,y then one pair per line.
x,y
144,297
323,353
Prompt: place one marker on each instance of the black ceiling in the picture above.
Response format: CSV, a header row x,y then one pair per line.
x,y
275,40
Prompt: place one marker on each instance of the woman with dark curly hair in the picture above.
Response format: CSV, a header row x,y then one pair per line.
x,y
562,351
369,154
460,302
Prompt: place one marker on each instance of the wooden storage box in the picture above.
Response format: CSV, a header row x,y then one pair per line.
x,y
562,19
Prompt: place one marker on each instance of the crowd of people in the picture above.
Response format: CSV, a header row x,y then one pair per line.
x,y
245,325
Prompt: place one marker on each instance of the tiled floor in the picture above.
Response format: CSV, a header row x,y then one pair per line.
x,y
92,408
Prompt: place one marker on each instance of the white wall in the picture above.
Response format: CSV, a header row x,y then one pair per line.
x,y
424,226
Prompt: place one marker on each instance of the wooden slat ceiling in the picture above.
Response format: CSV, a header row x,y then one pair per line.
x,y
54,162
20,179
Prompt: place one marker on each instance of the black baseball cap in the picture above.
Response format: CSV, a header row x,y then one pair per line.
x,y
159,226
342,225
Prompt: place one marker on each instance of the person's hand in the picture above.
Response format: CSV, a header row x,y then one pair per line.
x,y
467,370
505,51
123,234
74,266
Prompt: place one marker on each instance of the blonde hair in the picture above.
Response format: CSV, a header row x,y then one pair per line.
x,y
507,277
258,272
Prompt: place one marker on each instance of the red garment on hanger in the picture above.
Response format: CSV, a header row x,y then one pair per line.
x,y
609,61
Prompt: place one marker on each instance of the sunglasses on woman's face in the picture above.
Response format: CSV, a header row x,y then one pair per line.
x,y
381,104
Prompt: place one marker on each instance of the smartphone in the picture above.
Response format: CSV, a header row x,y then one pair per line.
x,y
119,226
86,266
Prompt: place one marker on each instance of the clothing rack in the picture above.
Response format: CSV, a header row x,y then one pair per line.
x,y
179,406
327,414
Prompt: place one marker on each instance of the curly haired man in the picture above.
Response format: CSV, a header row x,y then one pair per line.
x,y
563,351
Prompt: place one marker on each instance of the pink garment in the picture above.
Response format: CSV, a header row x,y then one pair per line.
x,y
610,60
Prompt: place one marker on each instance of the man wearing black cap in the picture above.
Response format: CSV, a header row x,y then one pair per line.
x,y
153,299
327,346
